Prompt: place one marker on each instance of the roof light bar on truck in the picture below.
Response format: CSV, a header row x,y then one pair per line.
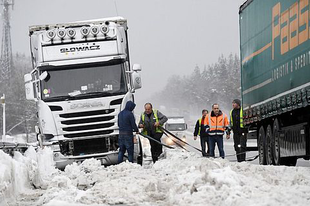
x,y
61,33
94,30
85,31
71,33
104,29
51,34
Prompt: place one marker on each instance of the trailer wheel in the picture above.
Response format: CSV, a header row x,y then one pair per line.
x,y
276,145
269,146
261,146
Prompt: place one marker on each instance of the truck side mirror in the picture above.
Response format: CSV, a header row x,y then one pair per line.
x,y
185,126
136,78
29,87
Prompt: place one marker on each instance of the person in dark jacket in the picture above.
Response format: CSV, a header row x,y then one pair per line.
x,y
127,125
236,124
151,120
200,130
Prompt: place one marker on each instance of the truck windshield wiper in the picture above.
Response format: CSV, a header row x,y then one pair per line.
x,y
79,96
58,98
100,94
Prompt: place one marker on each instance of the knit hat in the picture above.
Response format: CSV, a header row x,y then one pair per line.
x,y
237,101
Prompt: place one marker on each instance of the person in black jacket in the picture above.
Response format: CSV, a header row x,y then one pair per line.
x,y
127,125
236,124
200,130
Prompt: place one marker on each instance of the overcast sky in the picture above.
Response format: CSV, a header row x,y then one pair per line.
x,y
166,36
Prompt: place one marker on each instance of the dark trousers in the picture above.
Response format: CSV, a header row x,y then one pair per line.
x,y
203,142
220,144
240,146
125,142
156,149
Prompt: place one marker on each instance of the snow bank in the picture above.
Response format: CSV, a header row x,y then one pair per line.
x,y
23,173
181,178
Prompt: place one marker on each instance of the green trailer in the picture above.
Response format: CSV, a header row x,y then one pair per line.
x,y
275,77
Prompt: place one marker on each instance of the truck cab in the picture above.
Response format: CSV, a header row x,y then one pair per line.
x,y
81,80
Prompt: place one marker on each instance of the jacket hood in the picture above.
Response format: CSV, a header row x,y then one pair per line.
x,y
130,106
213,114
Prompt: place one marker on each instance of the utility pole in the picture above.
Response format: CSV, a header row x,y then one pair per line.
x,y
6,58
3,105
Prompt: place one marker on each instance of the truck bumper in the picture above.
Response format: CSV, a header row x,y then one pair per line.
x,y
106,159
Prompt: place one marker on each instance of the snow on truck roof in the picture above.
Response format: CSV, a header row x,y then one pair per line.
x,y
176,120
118,20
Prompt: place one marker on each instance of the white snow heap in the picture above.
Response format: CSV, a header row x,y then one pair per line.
x,y
21,174
183,179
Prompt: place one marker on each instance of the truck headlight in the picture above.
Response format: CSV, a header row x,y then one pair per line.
x,y
169,141
55,147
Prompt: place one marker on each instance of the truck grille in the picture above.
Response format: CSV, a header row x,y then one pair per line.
x,y
84,114
90,120
85,124
87,127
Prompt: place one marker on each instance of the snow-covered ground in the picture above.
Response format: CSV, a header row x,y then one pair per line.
x,y
180,178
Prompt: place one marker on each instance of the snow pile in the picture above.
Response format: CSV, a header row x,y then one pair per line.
x,y
181,178
23,173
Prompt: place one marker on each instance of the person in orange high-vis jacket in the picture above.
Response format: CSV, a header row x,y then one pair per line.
x,y
218,123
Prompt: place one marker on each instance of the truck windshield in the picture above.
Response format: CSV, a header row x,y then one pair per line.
x,y
175,127
68,82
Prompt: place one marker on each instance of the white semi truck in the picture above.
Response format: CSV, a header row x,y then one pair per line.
x,y
81,80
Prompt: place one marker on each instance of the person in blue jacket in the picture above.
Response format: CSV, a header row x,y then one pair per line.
x,y
127,125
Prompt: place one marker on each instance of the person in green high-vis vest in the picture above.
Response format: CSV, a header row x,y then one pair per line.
x,y
150,121
236,124
200,130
